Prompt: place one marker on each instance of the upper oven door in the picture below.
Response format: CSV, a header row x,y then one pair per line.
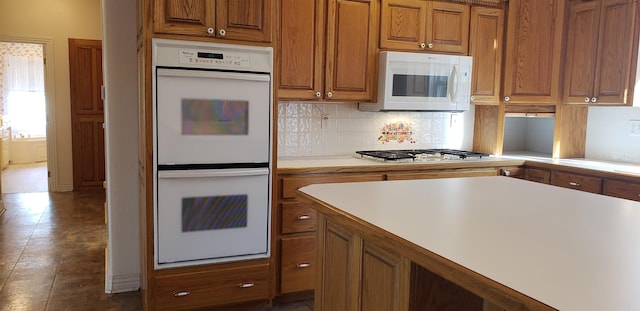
x,y
212,117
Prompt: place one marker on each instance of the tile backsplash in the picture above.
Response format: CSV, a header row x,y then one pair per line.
x,y
328,129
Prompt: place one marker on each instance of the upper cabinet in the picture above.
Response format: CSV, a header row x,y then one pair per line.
x,y
327,50
533,52
485,45
244,20
421,25
600,42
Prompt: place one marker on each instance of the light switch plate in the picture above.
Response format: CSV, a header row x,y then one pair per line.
x,y
634,128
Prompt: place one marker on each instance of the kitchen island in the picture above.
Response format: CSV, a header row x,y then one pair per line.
x,y
505,242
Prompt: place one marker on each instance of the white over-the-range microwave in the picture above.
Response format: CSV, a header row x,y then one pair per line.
x,y
422,82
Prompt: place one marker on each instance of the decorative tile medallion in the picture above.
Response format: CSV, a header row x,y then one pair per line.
x,y
400,131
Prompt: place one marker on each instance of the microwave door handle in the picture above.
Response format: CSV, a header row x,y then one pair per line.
x,y
453,82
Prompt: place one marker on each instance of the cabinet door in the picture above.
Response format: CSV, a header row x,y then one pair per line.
x,y
300,58
246,20
448,27
582,47
351,50
186,17
403,24
615,44
485,45
298,264
533,51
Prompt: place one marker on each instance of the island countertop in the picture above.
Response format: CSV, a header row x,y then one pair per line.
x,y
568,249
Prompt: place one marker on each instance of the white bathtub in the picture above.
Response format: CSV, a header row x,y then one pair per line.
x,y
28,150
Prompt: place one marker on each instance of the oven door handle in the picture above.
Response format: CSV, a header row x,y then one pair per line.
x,y
164,72
213,173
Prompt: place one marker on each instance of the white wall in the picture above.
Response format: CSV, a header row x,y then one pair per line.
x,y
55,21
121,136
608,134
303,132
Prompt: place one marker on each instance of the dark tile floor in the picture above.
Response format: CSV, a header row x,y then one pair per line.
x,y
52,255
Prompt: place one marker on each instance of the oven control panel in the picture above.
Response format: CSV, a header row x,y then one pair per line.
x,y
215,59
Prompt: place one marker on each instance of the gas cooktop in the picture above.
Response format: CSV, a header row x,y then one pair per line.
x,y
420,155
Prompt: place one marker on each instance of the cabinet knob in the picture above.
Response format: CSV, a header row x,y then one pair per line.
x,y
472,98
303,265
422,45
222,32
506,173
318,94
181,294
430,45
594,99
329,94
210,31
507,98
587,100
574,184
303,217
247,285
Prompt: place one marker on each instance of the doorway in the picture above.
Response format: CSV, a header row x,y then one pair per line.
x,y
23,117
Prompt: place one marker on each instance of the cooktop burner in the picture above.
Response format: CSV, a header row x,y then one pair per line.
x,y
420,154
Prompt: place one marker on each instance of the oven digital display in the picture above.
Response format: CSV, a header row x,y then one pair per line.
x,y
215,212
215,117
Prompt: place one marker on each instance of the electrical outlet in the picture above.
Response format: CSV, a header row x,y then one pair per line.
x,y
634,128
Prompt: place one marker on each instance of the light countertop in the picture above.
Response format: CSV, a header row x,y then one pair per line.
x,y
353,161
569,249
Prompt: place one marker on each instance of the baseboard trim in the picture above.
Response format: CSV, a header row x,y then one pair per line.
x,y
122,283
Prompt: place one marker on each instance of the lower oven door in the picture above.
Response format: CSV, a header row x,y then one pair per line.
x,y
208,216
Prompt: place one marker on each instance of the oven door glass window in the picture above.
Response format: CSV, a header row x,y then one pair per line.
x,y
215,117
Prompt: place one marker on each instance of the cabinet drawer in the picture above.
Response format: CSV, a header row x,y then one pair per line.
x,y
291,184
298,264
537,175
297,217
578,182
443,174
211,288
621,189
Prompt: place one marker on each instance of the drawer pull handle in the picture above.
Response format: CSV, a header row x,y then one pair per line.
x,y
247,285
181,294
304,217
575,184
303,265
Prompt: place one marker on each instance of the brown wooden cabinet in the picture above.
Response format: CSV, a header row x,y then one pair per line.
x,y
420,25
297,235
314,36
600,44
244,20
537,175
621,189
360,275
533,52
485,46
576,181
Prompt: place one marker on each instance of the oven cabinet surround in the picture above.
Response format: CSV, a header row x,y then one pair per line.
x,y
600,43
327,50
365,248
243,20
533,52
296,235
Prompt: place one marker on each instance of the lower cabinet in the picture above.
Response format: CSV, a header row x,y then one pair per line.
x,y
359,275
204,289
576,181
621,189
297,267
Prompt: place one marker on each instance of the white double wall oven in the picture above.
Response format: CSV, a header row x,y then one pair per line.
x,y
212,152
